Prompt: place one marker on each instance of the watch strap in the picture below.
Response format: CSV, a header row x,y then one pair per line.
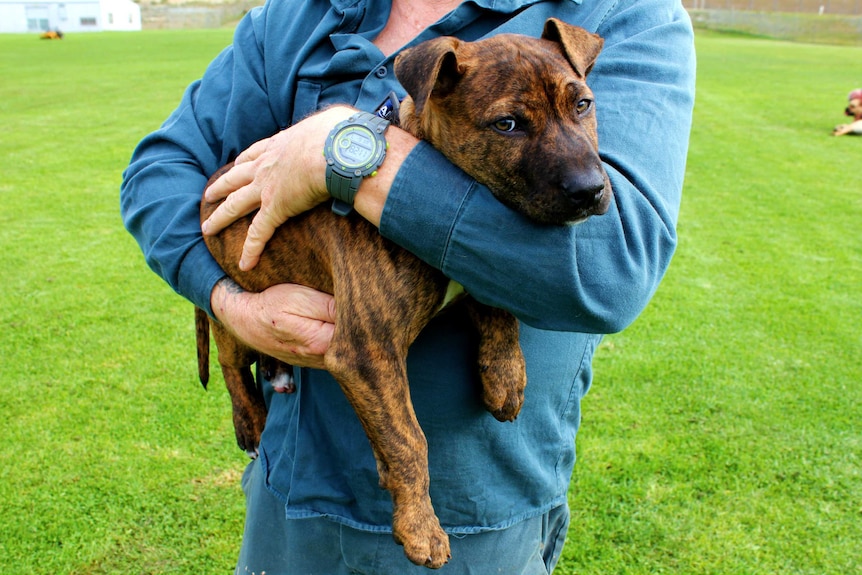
x,y
343,191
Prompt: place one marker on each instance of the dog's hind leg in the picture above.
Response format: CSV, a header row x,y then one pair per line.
x,y
246,396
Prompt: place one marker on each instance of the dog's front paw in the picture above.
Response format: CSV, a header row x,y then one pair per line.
x,y
503,389
425,543
503,384
502,369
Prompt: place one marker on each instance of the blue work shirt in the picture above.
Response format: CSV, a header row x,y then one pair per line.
x,y
567,285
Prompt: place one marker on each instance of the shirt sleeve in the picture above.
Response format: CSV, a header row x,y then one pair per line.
x,y
162,187
598,276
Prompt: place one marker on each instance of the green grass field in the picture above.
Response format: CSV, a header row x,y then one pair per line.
x,y
722,434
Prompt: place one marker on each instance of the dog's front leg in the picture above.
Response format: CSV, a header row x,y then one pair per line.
x,y
502,369
851,128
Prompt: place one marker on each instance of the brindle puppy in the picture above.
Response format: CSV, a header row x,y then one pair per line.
x,y
516,114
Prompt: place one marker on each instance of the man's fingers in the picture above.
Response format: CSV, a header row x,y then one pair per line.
x,y
241,174
241,203
259,232
252,152
238,176
312,304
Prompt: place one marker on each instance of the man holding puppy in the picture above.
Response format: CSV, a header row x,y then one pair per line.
x,y
314,505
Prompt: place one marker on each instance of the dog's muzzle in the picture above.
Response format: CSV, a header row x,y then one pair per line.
x,y
584,189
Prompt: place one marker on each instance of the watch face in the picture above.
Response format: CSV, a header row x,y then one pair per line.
x,y
355,147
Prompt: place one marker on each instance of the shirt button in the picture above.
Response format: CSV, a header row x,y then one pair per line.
x,y
381,72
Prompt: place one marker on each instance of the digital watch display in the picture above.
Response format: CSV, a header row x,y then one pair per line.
x,y
354,150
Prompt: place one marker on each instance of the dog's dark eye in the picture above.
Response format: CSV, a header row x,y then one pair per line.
x,y
584,106
505,125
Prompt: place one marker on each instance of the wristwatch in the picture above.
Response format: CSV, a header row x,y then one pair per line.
x,y
354,149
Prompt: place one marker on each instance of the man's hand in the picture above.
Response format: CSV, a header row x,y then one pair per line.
x,y
289,322
284,176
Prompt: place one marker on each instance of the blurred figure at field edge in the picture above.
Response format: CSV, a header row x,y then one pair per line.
x,y
854,110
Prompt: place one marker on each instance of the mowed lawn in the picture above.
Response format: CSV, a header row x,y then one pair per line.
x,y
722,434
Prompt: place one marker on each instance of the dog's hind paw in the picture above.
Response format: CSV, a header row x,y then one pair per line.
x,y
248,425
278,374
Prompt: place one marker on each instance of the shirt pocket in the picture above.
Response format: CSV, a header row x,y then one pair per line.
x,y
306,100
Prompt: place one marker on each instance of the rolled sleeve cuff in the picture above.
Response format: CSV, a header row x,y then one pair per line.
x,y
420,221
198,276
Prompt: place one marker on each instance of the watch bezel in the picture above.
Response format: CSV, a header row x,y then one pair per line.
x,y
345,134
368,165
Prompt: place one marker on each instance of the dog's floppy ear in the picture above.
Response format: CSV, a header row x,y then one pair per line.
x,y
429,68
580,47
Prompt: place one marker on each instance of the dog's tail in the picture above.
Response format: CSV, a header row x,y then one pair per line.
x,y
202,333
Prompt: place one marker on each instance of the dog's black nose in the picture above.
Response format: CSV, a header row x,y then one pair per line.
x,y
584,188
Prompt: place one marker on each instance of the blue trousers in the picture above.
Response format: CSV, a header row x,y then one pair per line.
x,y
275,545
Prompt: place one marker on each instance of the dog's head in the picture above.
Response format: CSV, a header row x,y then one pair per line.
x,y
854,104
515,113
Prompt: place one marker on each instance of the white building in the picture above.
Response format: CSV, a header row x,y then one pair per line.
x,y
20,16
